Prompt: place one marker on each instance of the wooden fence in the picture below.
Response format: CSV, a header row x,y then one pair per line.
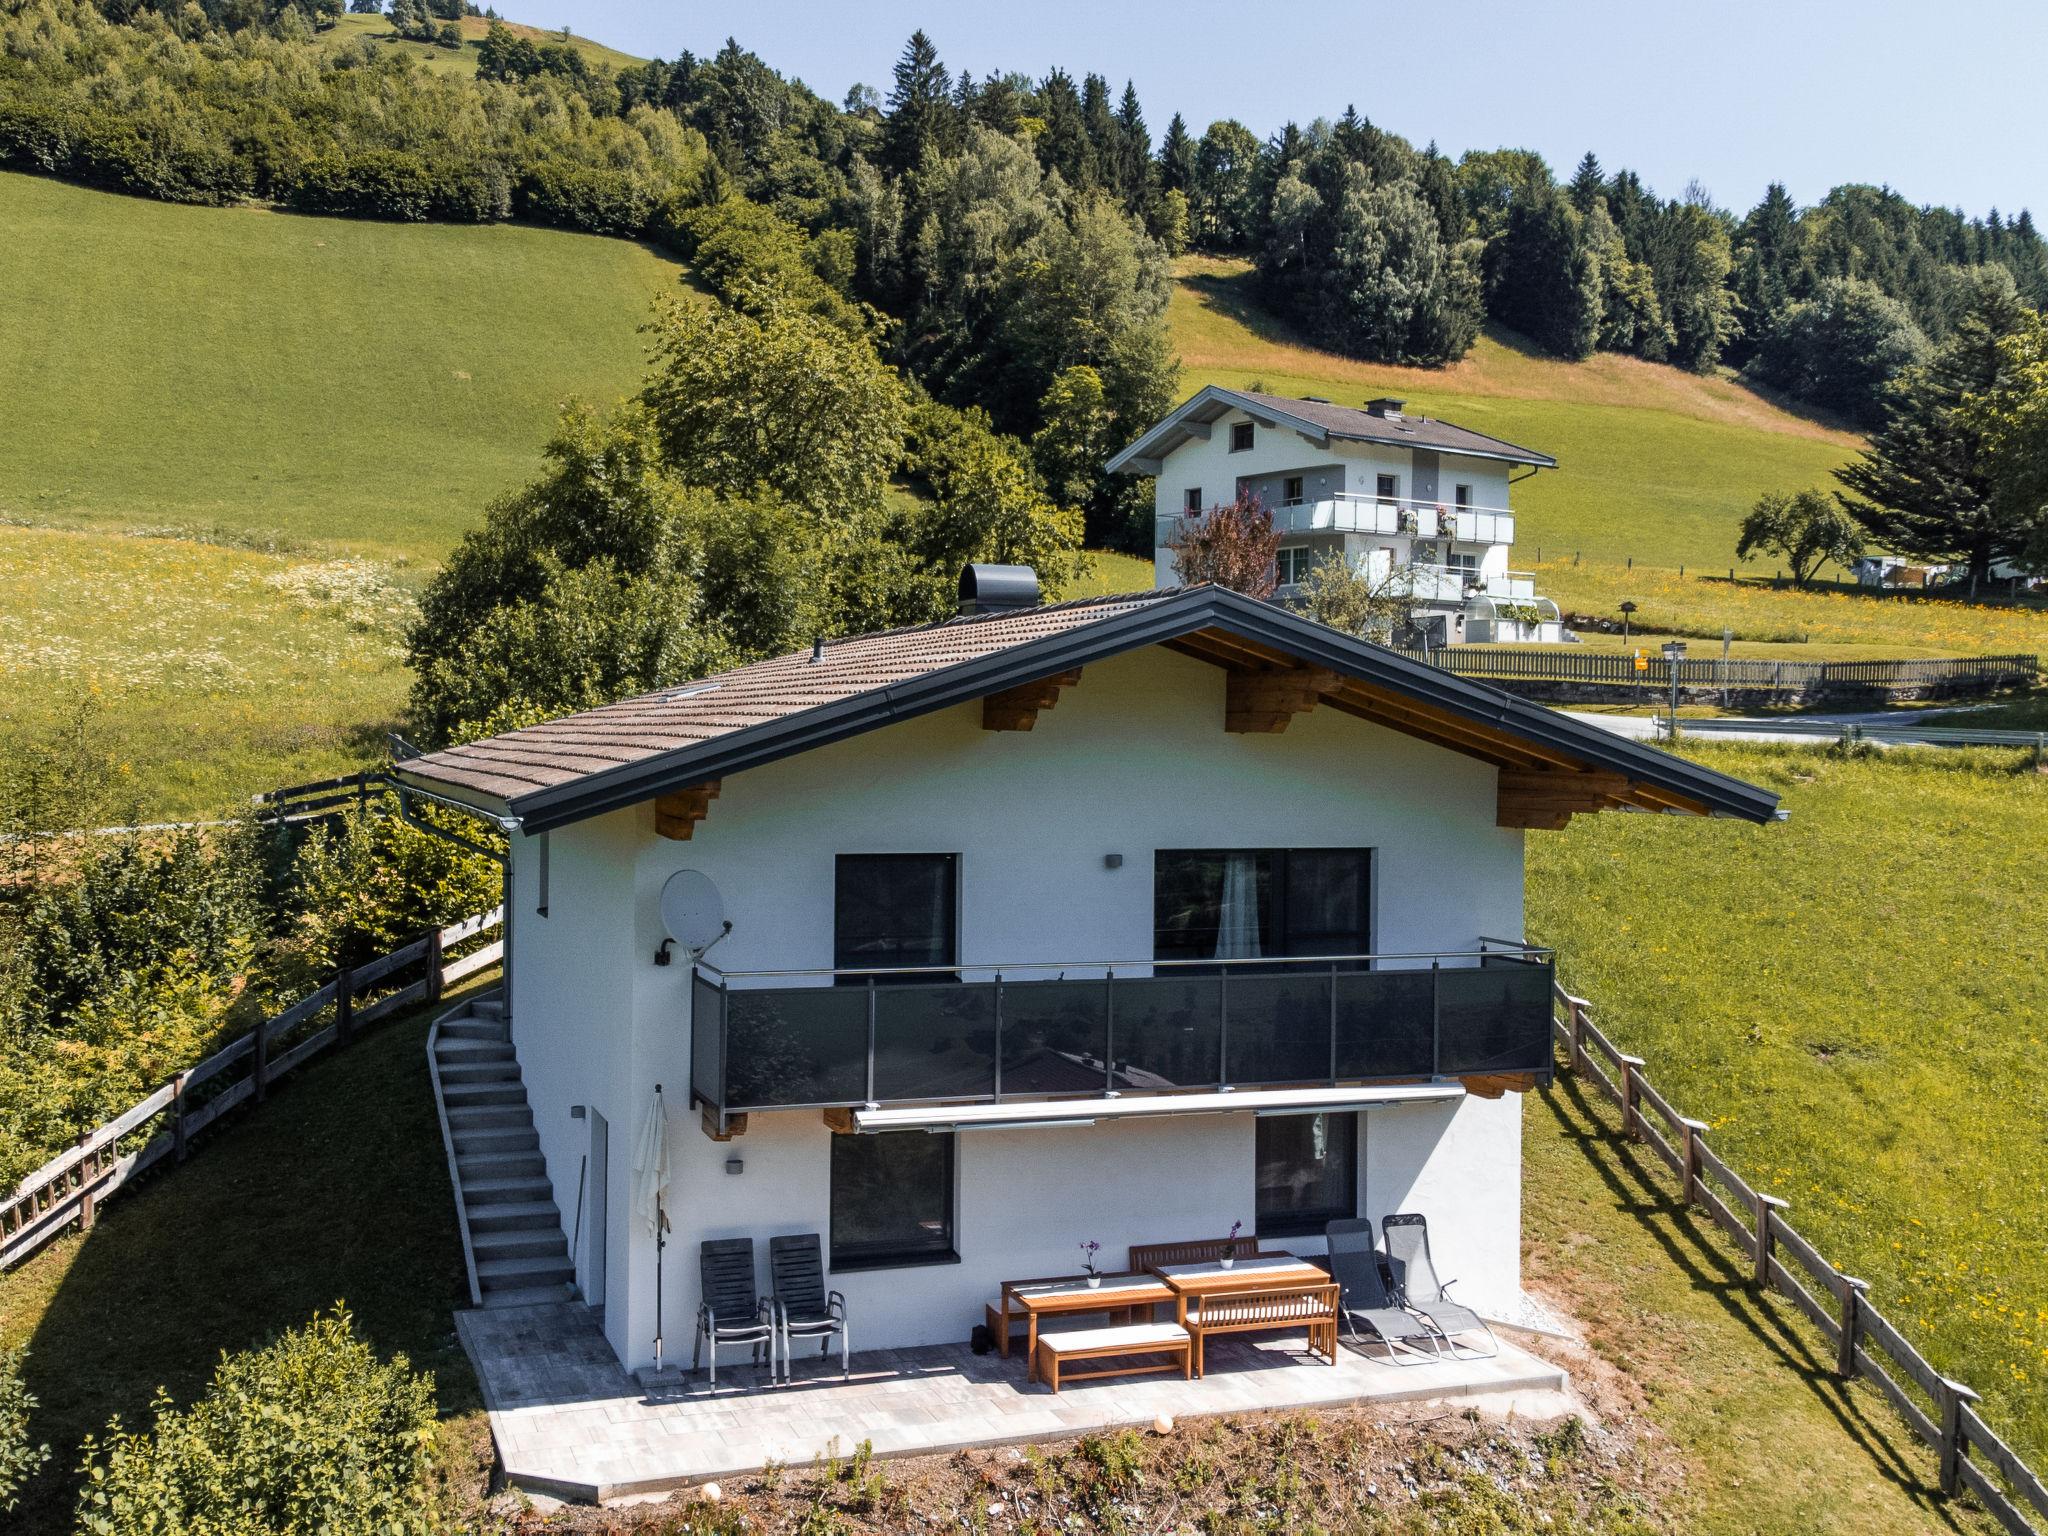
x,y
1527,664
71,1187
1942,1412
322,797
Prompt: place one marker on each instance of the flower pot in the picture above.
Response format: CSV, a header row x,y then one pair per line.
x,y
1094,1281
1228,1259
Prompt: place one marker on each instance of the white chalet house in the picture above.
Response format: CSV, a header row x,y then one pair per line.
x,y
1117,920
1399,496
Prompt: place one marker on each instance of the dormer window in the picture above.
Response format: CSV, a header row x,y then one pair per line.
x,y
1240,437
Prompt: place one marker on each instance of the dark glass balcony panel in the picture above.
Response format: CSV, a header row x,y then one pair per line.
x,y
1384,1024
707,1070
1279,1028
1494,1019
796,1045
935,1041
1054,1036
1168,1032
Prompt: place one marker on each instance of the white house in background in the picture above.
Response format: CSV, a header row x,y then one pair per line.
x,y
1389,491
1117,920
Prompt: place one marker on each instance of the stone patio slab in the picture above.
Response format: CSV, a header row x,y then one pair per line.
x,y
569,1422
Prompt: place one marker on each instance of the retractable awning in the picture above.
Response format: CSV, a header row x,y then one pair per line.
x,y
1019,1114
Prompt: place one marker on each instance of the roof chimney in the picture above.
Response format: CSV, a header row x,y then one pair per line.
x,y
1385,406
997,588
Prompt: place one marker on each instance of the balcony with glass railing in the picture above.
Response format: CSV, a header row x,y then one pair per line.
x,y
1346,512
981,1035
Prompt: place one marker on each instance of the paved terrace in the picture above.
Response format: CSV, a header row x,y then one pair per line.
x,y
571,1423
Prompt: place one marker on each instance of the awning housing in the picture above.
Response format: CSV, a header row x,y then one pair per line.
x,y
1018,1114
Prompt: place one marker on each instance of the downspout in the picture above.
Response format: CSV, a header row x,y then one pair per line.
x,y
507,825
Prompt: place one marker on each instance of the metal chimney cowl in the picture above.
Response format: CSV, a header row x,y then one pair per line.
x,y
997,588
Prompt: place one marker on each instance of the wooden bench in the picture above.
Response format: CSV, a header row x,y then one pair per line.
x,y
1290,1306
1201,1250
1055,1349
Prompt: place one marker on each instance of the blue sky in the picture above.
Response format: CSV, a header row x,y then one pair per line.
x,y
1941,101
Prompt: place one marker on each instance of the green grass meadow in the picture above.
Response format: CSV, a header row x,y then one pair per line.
x,y
356,386
1853,1000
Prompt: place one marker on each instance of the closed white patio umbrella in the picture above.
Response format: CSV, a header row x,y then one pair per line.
x,y
650,1191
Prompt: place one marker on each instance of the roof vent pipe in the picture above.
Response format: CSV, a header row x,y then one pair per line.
x,y
1386,406
997,588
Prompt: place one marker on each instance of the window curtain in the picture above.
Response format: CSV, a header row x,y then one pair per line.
x,y
1237,918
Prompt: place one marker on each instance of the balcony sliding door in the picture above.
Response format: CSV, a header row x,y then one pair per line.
x,y
1244,904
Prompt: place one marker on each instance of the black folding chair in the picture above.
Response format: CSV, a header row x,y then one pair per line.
x,y
804,1308
731,1312
1364,1302
1416,1286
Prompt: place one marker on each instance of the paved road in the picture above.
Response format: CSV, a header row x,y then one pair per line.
x,y
1825,727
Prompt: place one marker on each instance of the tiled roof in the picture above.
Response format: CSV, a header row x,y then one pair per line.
x,y
1349,421
558,752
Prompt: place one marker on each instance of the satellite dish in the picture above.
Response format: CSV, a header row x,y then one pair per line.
x,y
692,912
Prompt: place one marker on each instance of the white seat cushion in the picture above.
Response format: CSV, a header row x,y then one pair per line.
x,y
1134,1336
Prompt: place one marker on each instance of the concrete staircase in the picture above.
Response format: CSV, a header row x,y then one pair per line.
x,y
512,1229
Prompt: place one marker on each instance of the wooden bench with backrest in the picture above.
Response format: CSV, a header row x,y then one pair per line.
x,y
1132,1340
1288,1306
1201,1250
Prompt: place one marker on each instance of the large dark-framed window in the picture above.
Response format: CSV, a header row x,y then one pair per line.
x,y
896,911
1240,436
1249,903
892,1200
1307,1172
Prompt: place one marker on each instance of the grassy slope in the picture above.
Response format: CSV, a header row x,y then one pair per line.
x,y
336,1190
342,1172
462,60
1852,1000
334,381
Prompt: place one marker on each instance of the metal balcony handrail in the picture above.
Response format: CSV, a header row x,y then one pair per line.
x,y
1489,950
1364,498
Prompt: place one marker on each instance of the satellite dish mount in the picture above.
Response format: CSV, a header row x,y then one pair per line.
x,y
692,915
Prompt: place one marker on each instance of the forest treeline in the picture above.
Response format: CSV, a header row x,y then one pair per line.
x,y
918,200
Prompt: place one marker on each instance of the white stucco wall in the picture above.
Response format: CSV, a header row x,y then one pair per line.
x,y
1132,760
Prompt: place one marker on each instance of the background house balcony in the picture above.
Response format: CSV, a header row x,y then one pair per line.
x,y
831,1039
1451,584
1346,512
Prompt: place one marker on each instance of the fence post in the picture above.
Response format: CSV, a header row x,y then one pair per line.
x,y
85,1181
1953,1395
1765,1204
1575,1010
1631,1092
261,1075
435,980
1689,1154
344,1004
1852,1323
178,1116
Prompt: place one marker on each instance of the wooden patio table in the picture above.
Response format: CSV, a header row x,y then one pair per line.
x,y
1127,1292
1258,1272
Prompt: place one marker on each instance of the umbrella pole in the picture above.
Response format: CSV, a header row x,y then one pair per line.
x,y
660,1236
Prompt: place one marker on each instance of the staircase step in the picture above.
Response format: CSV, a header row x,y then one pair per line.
x,y
472,1095
458,1073
519,1243
508,1274
461,1052
505,1191
511,1138
530,1296
513,1216
487,1117
475,1029
500,1165
488,1007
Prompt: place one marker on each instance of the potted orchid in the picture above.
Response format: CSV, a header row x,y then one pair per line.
x,y
1230,1244
1088,1251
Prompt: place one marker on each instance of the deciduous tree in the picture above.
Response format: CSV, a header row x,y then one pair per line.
x,y
1806,531
1232,545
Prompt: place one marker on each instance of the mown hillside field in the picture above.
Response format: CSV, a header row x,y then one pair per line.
x,y
1852,1000
351,385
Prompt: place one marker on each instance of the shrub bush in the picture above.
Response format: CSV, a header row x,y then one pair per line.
x,y
19,1459
310,1435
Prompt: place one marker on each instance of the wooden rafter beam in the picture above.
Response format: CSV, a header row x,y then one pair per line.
x,y
1263,702
1016,709
1547,800
677,813
1492,1085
